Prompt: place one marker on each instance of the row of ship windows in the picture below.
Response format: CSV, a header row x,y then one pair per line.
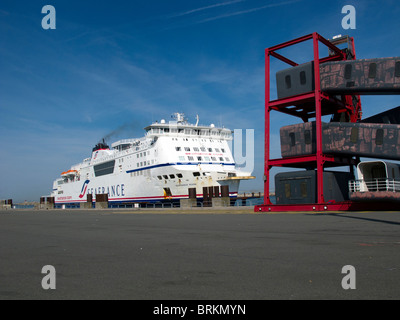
x,y
196,149
183,159
201,132
165,176
202,140
203,158
179,175
142,154
203,149
138,155
144,163
171,176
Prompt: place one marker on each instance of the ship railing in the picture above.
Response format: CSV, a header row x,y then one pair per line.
x,y
216,133
374,185
133,142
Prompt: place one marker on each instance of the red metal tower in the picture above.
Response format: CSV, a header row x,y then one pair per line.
x,y
314,104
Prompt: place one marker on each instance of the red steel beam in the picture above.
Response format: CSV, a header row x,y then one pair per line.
x,y
280,57
320,164
267,200
301,98
329,44
287,161
291,42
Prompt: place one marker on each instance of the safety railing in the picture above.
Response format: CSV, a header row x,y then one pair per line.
x,y
374,185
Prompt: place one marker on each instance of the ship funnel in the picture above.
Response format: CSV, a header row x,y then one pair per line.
x,y
101,145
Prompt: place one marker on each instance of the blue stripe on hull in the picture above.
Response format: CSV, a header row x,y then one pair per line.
x,y
122,202
178,164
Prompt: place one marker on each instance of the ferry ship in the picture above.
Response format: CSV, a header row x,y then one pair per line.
x,y
172,157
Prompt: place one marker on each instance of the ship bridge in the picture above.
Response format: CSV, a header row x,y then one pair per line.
x,y
180,127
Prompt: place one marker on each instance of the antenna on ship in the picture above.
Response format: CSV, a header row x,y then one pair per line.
x,y
197,119
179,117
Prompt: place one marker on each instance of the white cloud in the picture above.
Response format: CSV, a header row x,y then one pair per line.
x,y
236,13
207,7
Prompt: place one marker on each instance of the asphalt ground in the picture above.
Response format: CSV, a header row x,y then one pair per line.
x,y
231,254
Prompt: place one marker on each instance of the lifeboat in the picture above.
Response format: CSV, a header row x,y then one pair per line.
x,y
69,173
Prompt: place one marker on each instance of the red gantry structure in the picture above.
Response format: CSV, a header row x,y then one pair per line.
x,y
314,104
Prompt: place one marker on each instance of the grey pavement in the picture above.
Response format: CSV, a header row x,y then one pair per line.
x,y
199,255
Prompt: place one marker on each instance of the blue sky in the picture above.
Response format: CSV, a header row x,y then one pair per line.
x,y
117,63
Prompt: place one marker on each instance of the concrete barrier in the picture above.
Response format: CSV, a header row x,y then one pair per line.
x,y
46,206
89,202
221,202
188,203
86,205
101,205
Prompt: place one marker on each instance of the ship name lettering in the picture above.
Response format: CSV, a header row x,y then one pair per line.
x,y
112,191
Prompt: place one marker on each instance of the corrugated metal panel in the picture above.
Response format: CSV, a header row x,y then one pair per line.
x,y
355,139
295,80
364,76
300,187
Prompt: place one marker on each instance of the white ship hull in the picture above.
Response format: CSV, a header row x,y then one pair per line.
x,y
161,166
146,186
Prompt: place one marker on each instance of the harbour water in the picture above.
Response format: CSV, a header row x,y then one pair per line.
x,y
255,201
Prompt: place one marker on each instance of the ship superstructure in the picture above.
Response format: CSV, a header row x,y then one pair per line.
x,y
161,166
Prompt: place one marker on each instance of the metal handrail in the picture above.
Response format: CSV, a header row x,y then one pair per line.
x,y
373,185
